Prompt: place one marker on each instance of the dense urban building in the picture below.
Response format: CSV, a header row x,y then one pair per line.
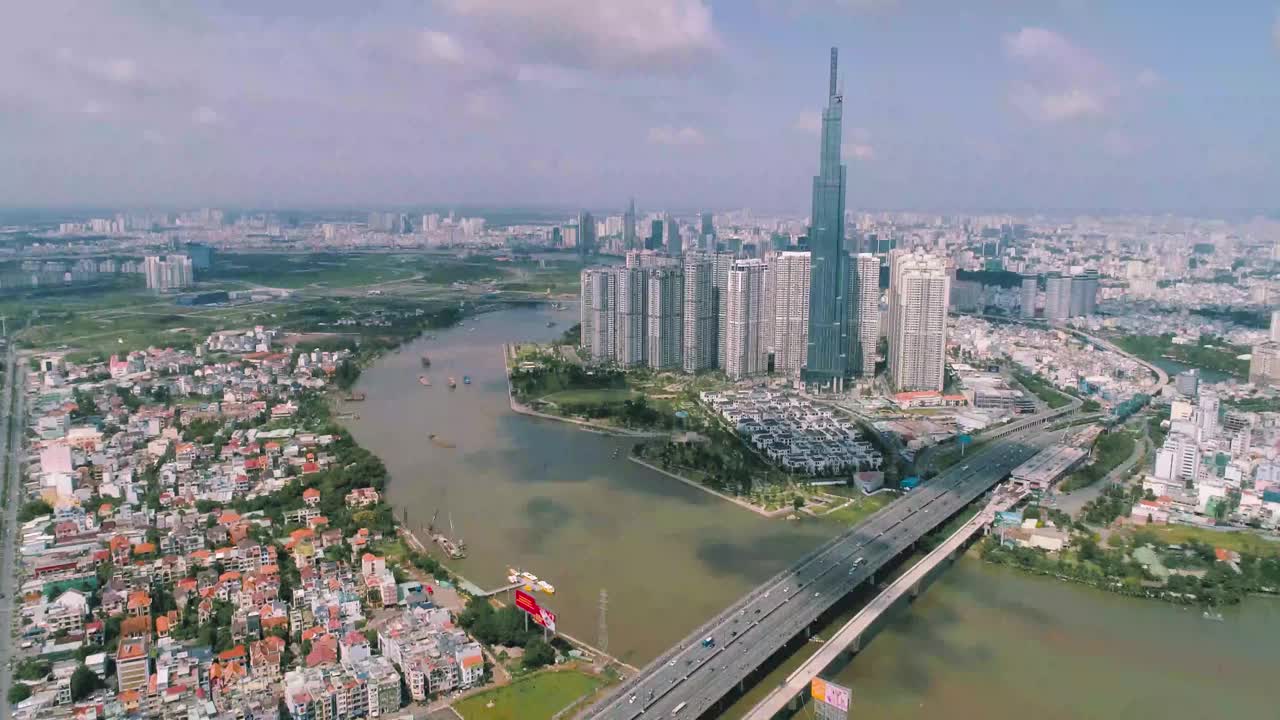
x,y
747,351
699,341
865,271
789,283
664,320
918,287
173,272
631,302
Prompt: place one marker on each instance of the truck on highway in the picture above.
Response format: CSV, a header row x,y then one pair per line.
x,y
708,641
679,708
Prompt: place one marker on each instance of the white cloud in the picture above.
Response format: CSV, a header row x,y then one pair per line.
x,y
93,107
1063,81
440,47
205,115
857,151
668,135
1148,79
600,33
1069,104
808,121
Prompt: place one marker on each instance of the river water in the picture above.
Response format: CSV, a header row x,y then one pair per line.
x,y
555,500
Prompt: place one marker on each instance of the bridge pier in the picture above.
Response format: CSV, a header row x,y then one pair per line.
x,y
915,589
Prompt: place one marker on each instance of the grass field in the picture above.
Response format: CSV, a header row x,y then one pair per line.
x,y
537,697
296,271
1240,541
600,395
860,510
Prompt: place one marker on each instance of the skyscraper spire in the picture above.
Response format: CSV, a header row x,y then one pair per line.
x,y
834,57
826,363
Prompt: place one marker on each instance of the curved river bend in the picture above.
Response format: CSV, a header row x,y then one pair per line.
x,y
566,505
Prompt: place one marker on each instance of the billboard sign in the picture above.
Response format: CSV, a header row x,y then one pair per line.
x,y
832,700
537,613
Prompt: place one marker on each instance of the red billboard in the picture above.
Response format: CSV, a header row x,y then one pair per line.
x,y
540,615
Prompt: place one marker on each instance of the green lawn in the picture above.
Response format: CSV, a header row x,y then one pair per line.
x,y
596,395
537,697
860,510
1240,541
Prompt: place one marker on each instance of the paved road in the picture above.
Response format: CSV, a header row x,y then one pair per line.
x,y
690,679
10,441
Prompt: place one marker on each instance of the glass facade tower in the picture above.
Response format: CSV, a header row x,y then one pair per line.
x,y
827,355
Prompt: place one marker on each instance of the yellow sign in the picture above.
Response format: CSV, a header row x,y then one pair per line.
x,y
819,689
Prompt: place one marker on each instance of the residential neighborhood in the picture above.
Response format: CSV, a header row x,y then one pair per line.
x,y
198,540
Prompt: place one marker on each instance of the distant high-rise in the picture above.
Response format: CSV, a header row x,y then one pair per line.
x,y
664,318
721,263
586,235
1030,287
747,352
597,313
864,328
918,289
1057,297
674,242
631,300
699,338
707,232
174,272
629,226
826,359
654,241
789,280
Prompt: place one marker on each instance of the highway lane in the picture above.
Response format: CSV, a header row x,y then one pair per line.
x,y
752,630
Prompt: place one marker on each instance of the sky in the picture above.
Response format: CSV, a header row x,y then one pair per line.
x,y
985,104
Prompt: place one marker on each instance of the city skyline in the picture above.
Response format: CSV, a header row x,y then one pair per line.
x,y
1065,106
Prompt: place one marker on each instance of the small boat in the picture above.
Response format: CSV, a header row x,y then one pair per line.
x,y
424,381
466,379
551,324
440,442
529,580
426,361
453,384
1211,614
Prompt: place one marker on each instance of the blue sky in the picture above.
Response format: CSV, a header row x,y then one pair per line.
x,y
1014,104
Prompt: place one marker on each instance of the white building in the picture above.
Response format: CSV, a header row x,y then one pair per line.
x,y
596,313
747,351
865,269
664,321
918,288
789,280
699,341
630,299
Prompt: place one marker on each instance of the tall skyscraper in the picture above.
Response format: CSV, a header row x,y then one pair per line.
x,y
918,289
789,280
174,272
654,241
664,319
721,264
826,359
1057,297
747,352
586,235
707,232
1030,287
674,241
631,299
597,313
629,226
865,333
699,340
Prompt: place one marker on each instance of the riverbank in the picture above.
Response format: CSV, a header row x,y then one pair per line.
x,y
508,357
735,500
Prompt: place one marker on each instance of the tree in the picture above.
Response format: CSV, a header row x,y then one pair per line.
x,y
18,692
34,509
83,682
797,502
538,653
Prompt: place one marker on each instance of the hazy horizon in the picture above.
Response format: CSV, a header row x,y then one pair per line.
x,y
1068,106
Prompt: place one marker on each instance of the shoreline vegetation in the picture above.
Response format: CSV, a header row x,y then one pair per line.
x,y
677,436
